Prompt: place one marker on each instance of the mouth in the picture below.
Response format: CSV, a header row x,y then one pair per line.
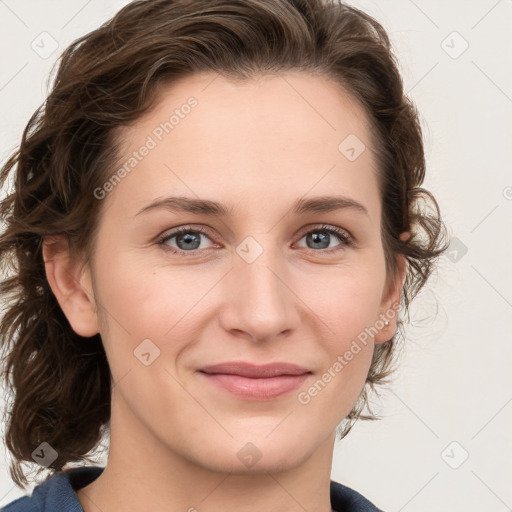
x,y
253,382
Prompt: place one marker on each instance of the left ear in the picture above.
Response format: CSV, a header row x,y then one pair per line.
x,y
391,299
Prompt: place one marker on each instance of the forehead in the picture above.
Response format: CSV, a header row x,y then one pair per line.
x,y
267,137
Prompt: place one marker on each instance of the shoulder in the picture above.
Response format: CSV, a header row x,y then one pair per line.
x,y
57,493
345,499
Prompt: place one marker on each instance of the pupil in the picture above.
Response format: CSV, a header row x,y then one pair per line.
x,y
189,240
320,238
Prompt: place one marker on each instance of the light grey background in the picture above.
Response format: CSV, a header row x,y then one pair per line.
x,y
451,398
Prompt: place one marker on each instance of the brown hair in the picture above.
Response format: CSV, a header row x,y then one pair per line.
x,y
109,78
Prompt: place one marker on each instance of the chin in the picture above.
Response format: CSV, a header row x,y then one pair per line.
x,y
269,463
256,454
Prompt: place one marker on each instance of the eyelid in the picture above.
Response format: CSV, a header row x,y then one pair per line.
x,y
326,227
345,237
169,234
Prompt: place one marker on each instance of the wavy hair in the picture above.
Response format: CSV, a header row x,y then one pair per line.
x,y
109,78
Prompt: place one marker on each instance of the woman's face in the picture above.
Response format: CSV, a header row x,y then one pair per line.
x,y
267,280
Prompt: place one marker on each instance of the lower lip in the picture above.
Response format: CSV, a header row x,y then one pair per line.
x,y
256,389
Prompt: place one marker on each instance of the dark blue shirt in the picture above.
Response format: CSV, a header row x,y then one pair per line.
x,y
58,494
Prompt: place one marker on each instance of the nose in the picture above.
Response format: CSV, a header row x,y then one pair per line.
x,y
260,302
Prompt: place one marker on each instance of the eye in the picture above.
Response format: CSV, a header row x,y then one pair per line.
x,y
188,240
320,238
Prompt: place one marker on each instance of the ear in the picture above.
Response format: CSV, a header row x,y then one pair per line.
x,y
71,284
391,299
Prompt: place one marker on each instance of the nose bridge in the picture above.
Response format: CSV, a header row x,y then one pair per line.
x,y
260,301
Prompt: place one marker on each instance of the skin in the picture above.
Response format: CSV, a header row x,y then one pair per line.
x,y
257,147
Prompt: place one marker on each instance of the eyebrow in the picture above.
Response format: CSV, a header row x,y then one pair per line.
x,y
321,204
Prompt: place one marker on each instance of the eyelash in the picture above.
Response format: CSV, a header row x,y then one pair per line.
x,y
344,237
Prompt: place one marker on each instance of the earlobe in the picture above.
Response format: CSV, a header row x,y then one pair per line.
x,y
72,286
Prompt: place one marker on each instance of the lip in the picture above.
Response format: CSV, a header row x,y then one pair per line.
x,y
255,371
256,382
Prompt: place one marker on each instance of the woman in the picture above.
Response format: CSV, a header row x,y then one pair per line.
x,y
215,220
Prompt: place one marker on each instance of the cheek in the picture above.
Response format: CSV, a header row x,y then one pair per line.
x,y
166,303
346,300
348,306
142,302
347,309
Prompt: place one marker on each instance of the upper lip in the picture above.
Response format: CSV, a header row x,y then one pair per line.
x,y
255,371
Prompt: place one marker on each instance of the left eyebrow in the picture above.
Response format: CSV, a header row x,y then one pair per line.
x,y
327,204
210,208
